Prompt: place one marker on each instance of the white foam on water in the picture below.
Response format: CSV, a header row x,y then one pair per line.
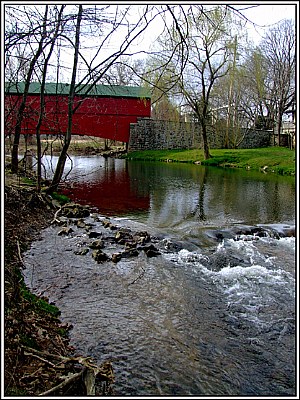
x,y
253,291
191,256
289,242
238,272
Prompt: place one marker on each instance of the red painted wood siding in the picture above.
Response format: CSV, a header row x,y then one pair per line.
x,y
106,117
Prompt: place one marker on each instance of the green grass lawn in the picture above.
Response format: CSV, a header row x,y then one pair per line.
x,y
278,160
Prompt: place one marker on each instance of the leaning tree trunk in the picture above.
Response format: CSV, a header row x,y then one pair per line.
x,y
42,102
20,115
17,134
38,127
63,155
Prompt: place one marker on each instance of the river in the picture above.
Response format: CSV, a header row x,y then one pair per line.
x,y
214,312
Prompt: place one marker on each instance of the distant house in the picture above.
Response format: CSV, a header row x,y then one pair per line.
x,y
288,130
106,111
288,127
287,134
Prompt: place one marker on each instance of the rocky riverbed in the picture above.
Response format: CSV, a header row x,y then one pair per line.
x,y
38,355
38,358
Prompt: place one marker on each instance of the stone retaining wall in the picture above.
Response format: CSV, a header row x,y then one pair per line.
x,y
149,134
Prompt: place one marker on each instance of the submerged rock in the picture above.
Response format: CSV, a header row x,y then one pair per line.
x,y
151,250
123,236
99,256
94,234
97,244
130,253
116,257
106,223
81,252
73,210
141,237
130,245
171,246
80,223
62,221
65,231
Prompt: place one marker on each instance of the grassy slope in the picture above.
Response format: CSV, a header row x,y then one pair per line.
x,y
279,160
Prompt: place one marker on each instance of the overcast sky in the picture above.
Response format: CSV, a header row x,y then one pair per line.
x,y
265,15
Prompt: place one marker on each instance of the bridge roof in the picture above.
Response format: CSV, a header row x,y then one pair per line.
x,y
64,88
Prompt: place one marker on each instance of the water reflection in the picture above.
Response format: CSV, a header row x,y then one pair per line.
x,y
103,183
169,195
210,196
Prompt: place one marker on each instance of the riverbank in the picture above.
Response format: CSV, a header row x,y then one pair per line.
x,y
278,160
37,358
80,145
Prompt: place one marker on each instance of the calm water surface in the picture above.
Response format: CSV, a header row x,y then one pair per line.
x,y
214,314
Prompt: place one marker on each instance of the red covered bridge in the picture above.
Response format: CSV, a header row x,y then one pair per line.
x,y
105,111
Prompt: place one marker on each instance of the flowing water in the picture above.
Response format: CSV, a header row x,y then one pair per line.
x,y
214,313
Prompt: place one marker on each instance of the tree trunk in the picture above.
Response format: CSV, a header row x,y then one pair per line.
x,y
17,133
203,119
205,142
279,125
60,166
42,102
63,155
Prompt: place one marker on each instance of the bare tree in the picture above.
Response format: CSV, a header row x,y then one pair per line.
x,y
63,155
257,98
278,47
42,96
267,79
209,48
124,72
20,113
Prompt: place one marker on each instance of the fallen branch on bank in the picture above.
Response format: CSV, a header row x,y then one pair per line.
x,y
39,358
55,216
67,381
19,254
88,375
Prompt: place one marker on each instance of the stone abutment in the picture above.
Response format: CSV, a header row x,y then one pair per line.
x,y
149,134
